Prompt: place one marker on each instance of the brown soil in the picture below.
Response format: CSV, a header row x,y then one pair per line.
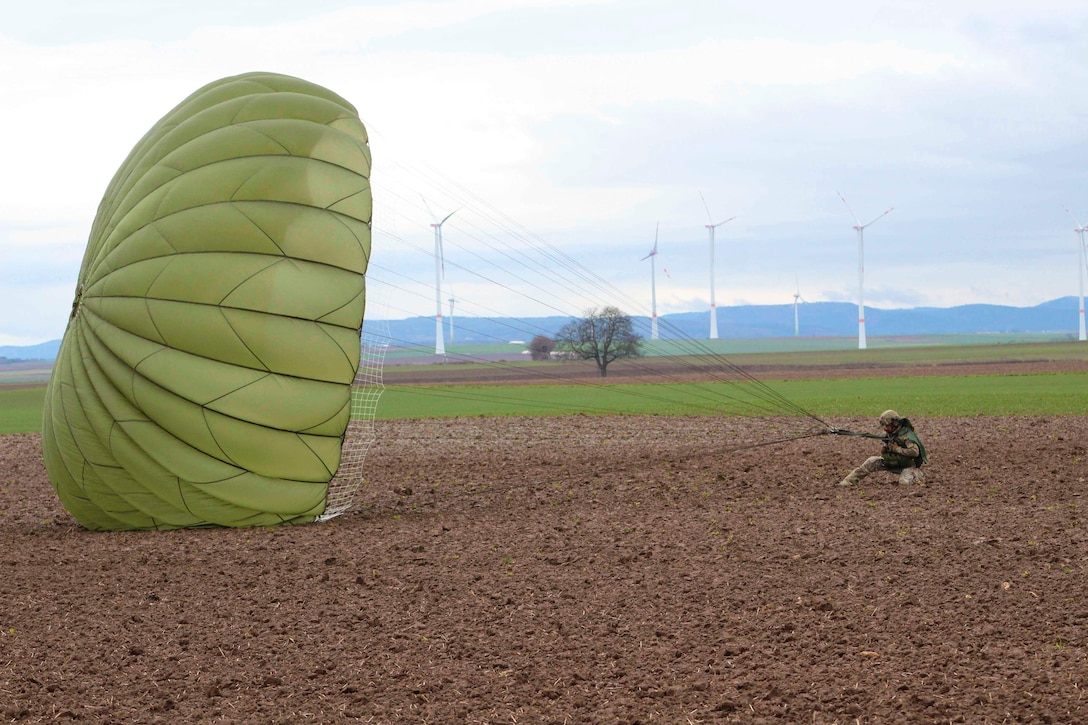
x,y
578,570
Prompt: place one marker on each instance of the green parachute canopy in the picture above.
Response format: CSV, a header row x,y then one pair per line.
x,y
205,374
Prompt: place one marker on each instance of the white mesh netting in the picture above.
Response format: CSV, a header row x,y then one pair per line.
x,y
365,391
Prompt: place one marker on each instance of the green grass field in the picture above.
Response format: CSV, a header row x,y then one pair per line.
x,y
21,409
1044,394
1050,394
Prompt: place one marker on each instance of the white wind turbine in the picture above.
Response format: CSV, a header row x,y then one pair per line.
x,y
439,268
1080,234
861,266
797,298
652,256
713,306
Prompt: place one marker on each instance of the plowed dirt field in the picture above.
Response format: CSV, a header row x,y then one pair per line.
x,y
578,570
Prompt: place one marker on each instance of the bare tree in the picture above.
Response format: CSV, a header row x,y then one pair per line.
x,y
541,347
602,336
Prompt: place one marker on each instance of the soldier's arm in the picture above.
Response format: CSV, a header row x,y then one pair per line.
x,y
904,447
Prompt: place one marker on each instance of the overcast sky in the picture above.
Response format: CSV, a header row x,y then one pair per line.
x,y
584,124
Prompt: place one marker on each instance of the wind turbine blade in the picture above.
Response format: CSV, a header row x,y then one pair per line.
x,y
427,207
1079,227
879,216
653,252
708,217
856,220
725,222
448,216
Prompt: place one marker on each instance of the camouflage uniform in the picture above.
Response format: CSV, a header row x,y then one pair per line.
x,y
903,453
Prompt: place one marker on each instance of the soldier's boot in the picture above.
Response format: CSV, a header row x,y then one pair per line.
x,y
912,476
853,479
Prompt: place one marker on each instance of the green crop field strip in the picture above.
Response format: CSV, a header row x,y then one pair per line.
x,y
21,409
945,395
1048,394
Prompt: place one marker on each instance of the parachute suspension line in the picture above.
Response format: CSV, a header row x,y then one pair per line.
x,y
711,398
772,402
540,245
582,407
765,391
528,252
775,442
558,378
576,280
517,328
568,284
497,283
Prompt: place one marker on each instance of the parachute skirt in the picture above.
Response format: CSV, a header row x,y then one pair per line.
x,y
205,376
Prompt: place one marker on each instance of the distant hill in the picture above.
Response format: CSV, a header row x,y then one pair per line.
x,y
41,351
816,319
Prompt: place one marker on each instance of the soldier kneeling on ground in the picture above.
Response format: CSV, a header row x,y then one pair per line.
x,y
903,453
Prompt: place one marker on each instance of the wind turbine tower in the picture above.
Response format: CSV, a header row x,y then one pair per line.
x,y
797,298
861,267
1080,275
652,256
451,318
713,306
439,266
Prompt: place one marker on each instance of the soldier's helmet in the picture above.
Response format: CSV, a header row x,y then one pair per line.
x,y
888,417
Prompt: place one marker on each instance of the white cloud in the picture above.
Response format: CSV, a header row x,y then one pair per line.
x,y
584,124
